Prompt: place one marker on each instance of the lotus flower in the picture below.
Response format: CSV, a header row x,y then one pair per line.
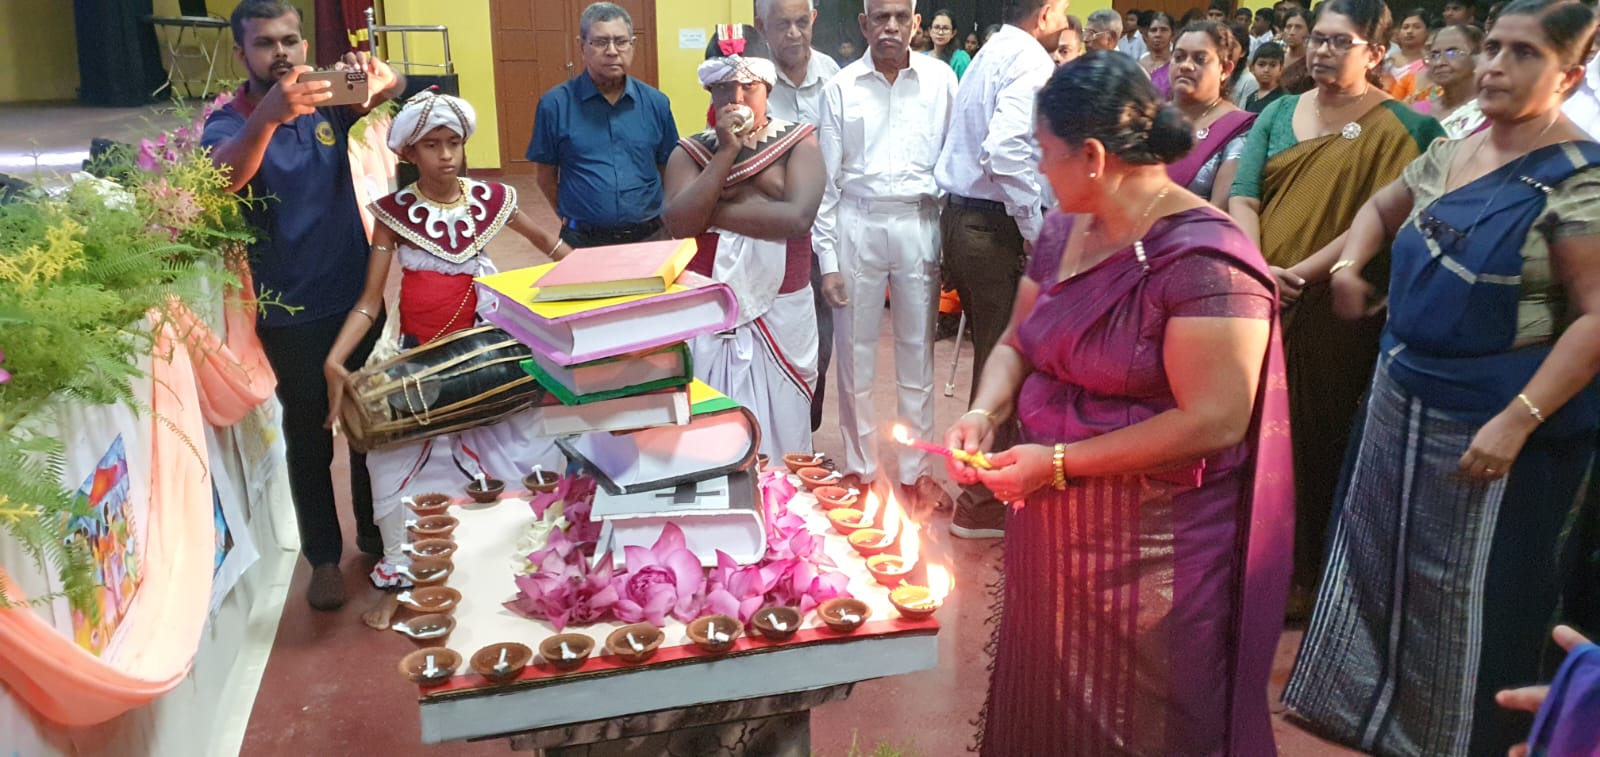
x,y
737,591
564,589
800,584
664,579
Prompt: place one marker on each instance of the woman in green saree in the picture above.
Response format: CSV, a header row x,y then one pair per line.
x,y
1309,164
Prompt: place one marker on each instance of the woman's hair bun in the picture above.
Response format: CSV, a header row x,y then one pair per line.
x,y
1171,135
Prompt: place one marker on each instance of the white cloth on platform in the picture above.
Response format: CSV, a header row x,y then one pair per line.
x,y
768,365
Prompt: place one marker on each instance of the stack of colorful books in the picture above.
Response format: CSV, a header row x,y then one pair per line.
x,y
607,327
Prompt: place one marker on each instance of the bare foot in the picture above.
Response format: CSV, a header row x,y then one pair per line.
x,y
381,615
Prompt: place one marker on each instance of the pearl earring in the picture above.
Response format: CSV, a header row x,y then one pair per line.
x,y
1092,175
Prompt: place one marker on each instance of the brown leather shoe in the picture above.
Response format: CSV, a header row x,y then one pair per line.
x,y
326,591
926,495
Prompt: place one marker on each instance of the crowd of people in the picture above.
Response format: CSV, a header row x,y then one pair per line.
x,y
1292,313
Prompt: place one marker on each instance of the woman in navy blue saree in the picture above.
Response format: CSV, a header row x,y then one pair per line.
x,y
1443,570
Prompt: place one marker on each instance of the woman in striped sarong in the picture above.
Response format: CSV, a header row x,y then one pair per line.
x,y
1444,568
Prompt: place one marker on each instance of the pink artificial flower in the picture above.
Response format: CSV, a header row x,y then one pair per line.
x,y
664,579
737,591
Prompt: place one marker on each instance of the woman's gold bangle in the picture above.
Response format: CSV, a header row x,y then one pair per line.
x,y
1533,410
1340,266
980,411
1059,462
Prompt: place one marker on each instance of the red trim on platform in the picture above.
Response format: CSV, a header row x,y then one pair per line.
x,y
602,663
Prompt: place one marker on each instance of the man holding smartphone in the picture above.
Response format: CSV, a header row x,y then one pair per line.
x,y
278,139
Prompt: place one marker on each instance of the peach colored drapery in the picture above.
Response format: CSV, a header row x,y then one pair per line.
x,y
234,376
162,629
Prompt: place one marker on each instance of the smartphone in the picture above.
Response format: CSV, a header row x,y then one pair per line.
x,y
347,87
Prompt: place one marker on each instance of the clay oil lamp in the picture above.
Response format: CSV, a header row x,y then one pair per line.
x,y
432,527
427,630
921,602
427,571
442,548
425,505
974,459
485,491
843,614
566,651
635,643
762,461
848,520
834,497
501,662
794,461
890,570
428,600
813,477
869,542
430,667
540,481
777,623
714,633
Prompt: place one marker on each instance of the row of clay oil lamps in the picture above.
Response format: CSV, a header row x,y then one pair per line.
x,y
872,538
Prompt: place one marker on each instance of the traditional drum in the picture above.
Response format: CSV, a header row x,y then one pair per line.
x,y
461,380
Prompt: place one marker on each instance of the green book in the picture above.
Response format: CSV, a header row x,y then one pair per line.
x,y
609,378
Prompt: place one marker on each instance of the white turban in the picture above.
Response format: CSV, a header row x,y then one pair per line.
x,y
739,69
426,111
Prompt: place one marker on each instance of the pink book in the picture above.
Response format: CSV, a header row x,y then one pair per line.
x,y
577,331
615,271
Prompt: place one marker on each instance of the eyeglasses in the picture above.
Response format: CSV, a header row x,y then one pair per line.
x,y
599,44
1340,43
1453,53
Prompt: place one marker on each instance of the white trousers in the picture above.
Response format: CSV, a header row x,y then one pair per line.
x,y
893,246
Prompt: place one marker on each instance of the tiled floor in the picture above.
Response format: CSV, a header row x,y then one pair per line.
x,y
331,688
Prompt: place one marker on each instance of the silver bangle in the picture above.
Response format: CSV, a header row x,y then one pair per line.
x,y
364,312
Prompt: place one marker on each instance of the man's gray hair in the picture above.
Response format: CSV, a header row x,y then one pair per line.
x,y
763,7
865,9
601,12
1105,19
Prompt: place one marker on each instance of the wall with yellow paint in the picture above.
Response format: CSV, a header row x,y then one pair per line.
x,y
1082,8
472,51
677,66
38,51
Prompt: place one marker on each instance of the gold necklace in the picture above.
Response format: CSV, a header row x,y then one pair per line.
x,y
461,197
1352,129
1201,133
1077,262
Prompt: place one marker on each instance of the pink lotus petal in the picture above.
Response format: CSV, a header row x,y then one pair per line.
x,y
671,540
722,602
637,558
691,579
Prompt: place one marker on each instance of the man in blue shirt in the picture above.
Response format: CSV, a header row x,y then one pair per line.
x,y
601,138
310,256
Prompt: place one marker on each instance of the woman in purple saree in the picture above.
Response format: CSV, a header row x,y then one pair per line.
x,y
1146,573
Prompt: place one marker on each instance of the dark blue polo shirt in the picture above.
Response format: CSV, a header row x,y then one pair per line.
x,y
609,155
312,248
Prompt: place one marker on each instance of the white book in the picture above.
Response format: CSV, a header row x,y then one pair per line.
x,y
662,408
717,513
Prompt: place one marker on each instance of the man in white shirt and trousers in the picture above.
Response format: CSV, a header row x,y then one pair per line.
x,y
989,167
787,26
883,122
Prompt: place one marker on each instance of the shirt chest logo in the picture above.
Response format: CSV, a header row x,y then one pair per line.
x,y
325,133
